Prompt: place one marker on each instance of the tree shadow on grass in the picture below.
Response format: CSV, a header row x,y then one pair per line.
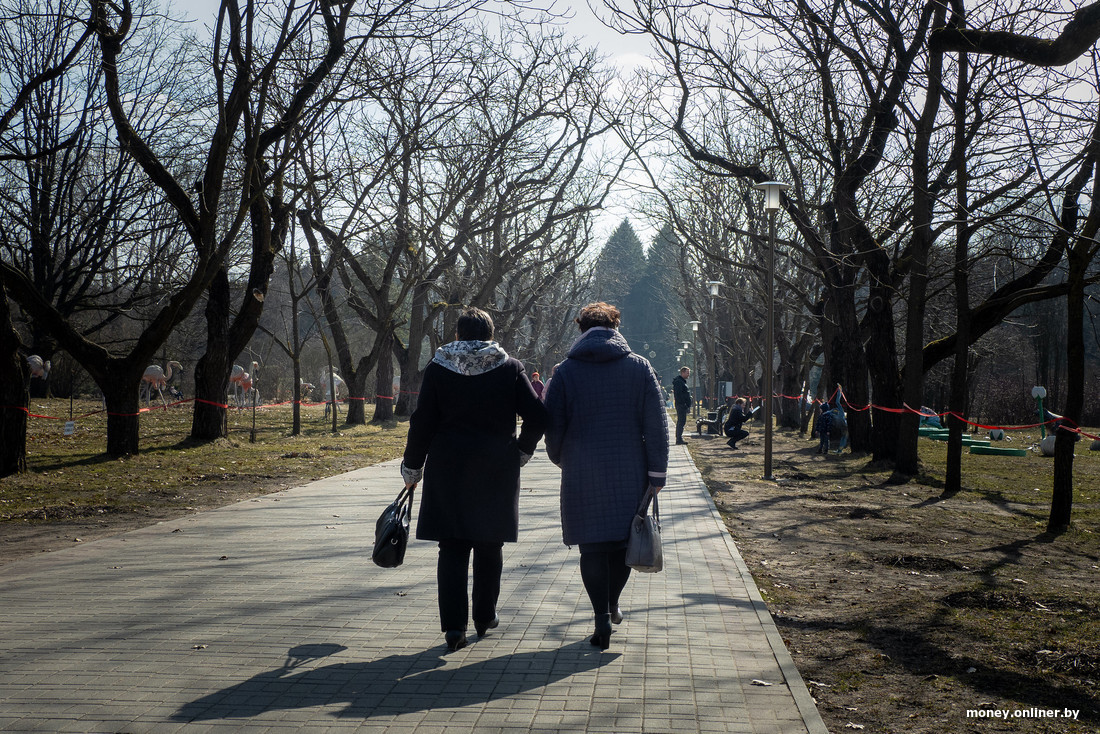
x,y
393,685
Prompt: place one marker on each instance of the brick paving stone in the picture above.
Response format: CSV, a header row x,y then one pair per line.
x,y
152,631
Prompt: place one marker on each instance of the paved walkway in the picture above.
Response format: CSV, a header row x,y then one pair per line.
x,y
269,616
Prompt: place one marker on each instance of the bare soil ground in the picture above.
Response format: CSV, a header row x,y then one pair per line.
x,y
903,610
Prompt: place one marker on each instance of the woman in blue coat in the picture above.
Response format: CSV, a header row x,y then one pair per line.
x,y
462,441
607,431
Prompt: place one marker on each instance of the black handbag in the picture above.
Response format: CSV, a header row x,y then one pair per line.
x,y
643,547
391,532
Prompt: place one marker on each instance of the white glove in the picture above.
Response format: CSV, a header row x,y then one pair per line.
x,y
411,476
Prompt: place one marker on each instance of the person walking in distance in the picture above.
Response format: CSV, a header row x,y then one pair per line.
x,y
608,431
681,400
462,441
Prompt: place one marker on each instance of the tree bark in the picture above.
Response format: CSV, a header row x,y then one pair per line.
x,y
14,375
211,377
958,401
906,456
1079,258
383,401
120,393
1061,504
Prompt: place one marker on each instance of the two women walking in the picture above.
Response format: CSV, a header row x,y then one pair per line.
x,y
605,427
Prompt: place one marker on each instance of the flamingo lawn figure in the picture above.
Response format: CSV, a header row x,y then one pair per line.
x,y
39,369
242,385
327,381
304,388
155,377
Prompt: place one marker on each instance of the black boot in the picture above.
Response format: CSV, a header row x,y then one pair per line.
x,y
602,636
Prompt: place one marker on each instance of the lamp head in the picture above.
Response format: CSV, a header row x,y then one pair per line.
x,y
772,190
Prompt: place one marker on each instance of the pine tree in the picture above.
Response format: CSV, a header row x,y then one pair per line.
x,y
655,309
620,266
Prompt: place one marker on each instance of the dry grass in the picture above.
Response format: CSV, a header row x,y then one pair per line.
x,y
72,488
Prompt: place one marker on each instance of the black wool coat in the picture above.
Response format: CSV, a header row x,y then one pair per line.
x,y
463,432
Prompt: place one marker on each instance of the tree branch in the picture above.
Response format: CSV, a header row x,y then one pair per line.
x,y
1079,35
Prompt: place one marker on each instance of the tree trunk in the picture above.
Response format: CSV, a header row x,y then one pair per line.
x,y
357,393
211,376
1061,505
409,361
848,368
120,393
14,399
788,387
296,390
383,402
906,456
958,402
882,361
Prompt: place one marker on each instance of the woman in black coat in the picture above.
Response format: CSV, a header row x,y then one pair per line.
x,y
462,442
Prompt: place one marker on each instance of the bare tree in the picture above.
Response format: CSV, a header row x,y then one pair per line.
x,y
1074,40
863,66
13,369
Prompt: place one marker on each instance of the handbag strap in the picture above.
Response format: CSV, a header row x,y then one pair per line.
x,y
643,506
405,498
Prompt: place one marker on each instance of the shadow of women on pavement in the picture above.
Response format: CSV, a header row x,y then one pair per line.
x,y
393,685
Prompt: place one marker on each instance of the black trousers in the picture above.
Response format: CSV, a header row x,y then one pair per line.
x,y
452,576
604,573
681,419
736,433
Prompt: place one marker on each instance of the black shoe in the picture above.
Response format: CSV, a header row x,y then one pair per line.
x,y
731,443
481,629
456,639
617,615
601,638
681,443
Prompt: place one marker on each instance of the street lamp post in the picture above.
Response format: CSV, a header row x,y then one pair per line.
x,y
695,367
772,191
713,285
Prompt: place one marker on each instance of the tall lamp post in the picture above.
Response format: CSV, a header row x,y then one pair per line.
x,y
685,346
713,285
772,191
695,367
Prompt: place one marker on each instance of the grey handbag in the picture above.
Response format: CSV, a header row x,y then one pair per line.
x,y
643,547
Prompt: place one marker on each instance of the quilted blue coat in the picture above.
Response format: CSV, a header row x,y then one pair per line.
x,y
608,432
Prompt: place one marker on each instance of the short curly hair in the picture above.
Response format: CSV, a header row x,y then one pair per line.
x,y
599,314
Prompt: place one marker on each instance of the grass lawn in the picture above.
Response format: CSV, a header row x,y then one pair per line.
x,y
73,490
